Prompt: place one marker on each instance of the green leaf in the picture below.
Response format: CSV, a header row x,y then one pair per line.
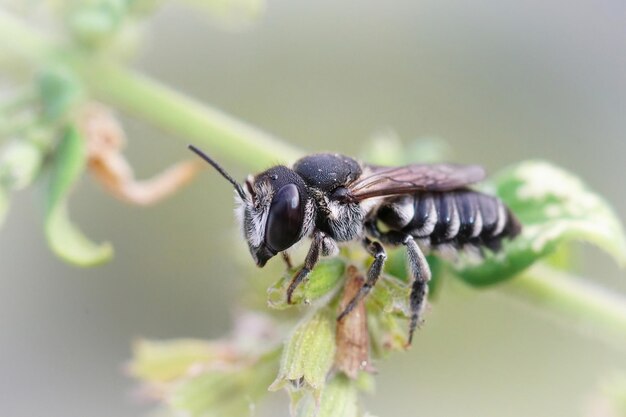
x,y
391,296
94,23
396,263
554,207
387,334
339,398
324,278
217,393
161,361
60,90
224,391
20,162
308,354
63,237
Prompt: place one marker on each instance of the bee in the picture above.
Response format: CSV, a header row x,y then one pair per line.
x,y
333,199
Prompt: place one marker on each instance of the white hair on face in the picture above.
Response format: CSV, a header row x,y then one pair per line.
x,y
252,212
240,208
309,219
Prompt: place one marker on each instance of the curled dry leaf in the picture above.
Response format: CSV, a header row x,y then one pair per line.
x,y
105,142
352,338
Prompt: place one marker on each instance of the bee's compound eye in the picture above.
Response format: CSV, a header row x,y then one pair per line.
x,y
285,219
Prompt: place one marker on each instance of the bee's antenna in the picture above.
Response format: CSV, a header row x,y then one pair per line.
x,y
219,169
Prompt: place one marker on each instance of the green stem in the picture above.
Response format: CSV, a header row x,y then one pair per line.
x,y
187,118
221,133
588,305
18,40
160,105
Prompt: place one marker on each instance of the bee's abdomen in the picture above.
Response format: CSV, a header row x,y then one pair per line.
x,y
461,217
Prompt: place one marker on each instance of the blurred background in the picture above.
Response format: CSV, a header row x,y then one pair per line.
x,y
499,81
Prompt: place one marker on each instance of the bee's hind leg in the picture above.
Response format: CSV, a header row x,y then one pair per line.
x,y
420,272
421,275
379,254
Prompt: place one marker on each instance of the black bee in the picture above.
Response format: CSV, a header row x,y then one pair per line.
x,y
333,198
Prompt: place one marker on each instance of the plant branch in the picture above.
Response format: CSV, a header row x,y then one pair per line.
x,y
21,41
185,117
587,305
193,121
160,105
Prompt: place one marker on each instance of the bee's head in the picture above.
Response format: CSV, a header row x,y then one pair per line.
x,y
275,213
274,209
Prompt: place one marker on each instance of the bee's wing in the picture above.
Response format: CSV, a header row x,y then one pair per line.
x,y
384,181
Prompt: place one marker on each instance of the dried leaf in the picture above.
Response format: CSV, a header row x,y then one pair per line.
x,y
352,336
105,142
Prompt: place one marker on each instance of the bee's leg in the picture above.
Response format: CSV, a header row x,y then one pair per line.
x,y
421,275
419,268
287,260
309,263
378,252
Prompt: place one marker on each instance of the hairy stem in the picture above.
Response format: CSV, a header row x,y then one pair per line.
x,y
194,121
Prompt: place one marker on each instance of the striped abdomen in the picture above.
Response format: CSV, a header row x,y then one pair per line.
x,y
461,217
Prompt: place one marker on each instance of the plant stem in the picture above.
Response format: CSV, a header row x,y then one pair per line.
x,y
23,41
167,109
189,119
584,303
185,117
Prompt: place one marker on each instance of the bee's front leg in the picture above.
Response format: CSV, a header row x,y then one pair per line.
x,y
287,260
309,263
373,273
